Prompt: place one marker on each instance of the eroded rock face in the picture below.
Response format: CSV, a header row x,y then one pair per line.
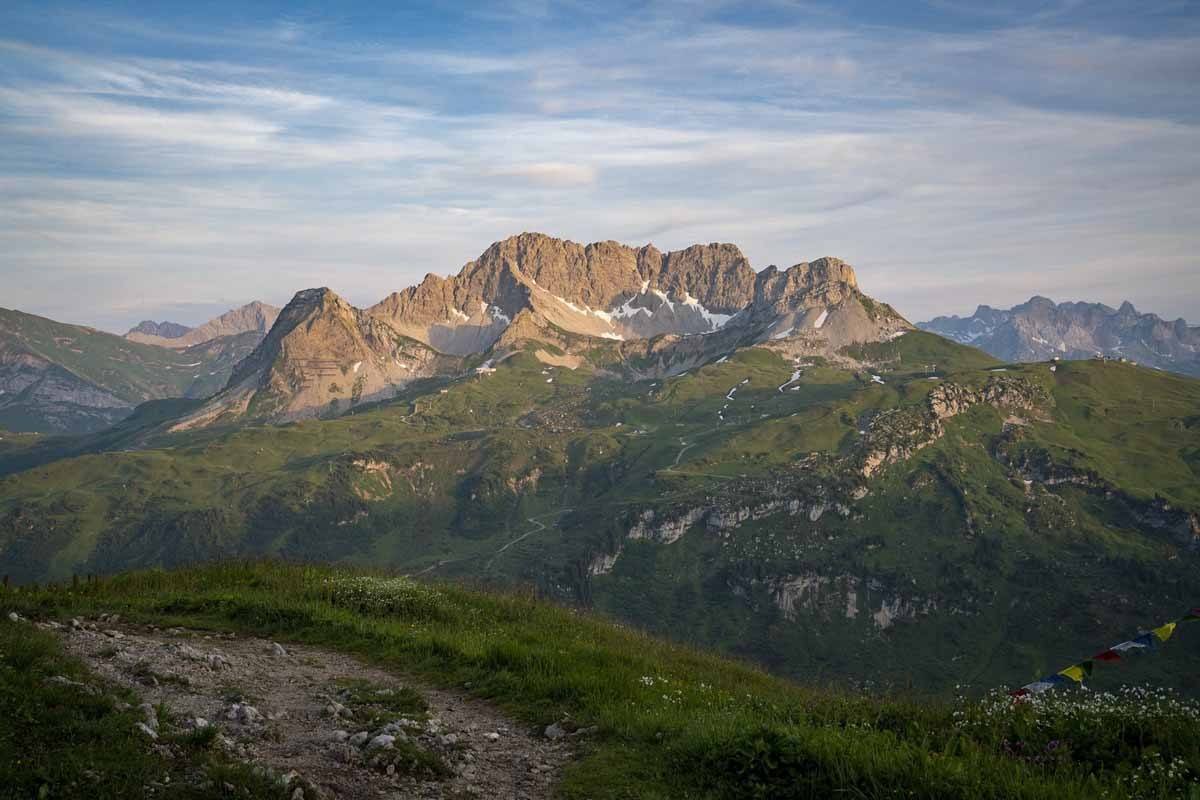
x,y
609,290
949,399
845,596
604,289
898,434
665,531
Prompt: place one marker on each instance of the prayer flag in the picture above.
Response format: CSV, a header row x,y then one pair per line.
x,y
1077,672
1163,632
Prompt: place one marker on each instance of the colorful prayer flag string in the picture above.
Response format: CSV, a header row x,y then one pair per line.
x,y
1076,673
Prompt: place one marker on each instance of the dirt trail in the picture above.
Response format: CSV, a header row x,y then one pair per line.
x,y
539,527
307,710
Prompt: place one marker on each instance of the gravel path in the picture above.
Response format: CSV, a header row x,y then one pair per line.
x,y
325,715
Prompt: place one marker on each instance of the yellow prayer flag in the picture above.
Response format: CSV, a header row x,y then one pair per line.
x,y
1075,673
1164,632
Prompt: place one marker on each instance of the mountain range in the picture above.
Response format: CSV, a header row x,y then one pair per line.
x,y
1041,329
770,463
654,314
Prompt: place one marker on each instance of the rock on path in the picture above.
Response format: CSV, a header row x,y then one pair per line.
x,y
280,708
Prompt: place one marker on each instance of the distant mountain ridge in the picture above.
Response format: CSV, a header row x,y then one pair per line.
x,y
253,317
163,330
1041,329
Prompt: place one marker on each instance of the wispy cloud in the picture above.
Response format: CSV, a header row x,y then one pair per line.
x,y
976,164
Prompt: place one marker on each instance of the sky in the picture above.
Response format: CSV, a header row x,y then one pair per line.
x,y
173,160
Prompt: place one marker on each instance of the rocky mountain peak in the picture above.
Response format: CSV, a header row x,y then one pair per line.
x,y
826,280
321,357
306,301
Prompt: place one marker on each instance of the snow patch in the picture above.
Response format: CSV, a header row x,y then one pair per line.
x,y
795,377
627,309
586,311
735,388
821,319
784,334
357,365
616,336
877,379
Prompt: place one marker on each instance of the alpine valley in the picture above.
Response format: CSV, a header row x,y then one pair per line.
x,y
768,462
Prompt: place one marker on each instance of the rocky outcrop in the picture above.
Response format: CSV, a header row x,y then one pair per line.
x,y
811,594
603,563
831,597
897,434
1001,391
1041,329
649,525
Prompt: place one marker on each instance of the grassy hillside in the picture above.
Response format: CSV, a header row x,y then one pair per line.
x,y
60,378
131,371
671,722
818,519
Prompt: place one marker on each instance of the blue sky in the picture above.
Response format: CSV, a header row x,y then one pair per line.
x,y
169,161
